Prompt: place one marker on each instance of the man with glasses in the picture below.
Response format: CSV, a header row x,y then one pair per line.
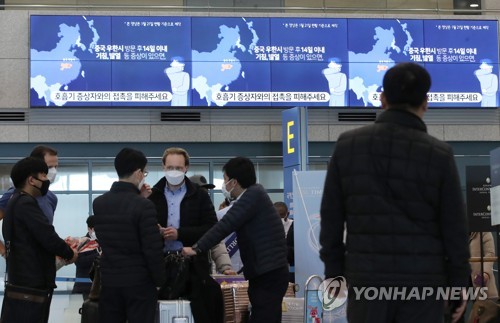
x,y
132,259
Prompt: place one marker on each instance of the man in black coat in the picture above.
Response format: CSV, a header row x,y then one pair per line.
x,y
32,241
397,190
185,212
132,258
261,239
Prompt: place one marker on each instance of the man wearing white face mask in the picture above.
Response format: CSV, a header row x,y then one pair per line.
x,y
185,212
46,202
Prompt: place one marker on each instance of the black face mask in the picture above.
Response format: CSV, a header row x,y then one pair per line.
x,y
45,186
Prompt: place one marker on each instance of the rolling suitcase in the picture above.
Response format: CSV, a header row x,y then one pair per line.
x,y
175,311
90,311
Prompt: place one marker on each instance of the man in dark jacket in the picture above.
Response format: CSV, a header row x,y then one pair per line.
x,y
132,258
31,240
189,212
185,212
261,239
397,189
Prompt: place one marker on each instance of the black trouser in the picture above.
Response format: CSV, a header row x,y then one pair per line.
x,y
428,310
266,295
135,304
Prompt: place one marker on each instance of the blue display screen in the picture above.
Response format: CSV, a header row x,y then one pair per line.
x,y
146,61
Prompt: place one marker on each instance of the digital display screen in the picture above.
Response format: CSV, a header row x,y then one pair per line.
x,y
215,62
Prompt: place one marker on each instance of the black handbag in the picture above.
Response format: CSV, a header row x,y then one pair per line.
x,y
25,305
177,273
95,275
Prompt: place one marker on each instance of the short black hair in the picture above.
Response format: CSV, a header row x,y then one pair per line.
x,y
90,221
26,167
406,84
281,204
242,169
128,161
41,151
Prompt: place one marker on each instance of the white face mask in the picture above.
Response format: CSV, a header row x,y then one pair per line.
x,y
227,194
92,235
51,175
174,177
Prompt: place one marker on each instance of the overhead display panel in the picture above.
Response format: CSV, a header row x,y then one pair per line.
x,y
232,62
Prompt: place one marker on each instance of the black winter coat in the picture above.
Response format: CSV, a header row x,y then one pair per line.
x,y
261,237
197,214
131,243
34,243
397,189
197,211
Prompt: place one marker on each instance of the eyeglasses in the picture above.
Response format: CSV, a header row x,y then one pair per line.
x,y
145,173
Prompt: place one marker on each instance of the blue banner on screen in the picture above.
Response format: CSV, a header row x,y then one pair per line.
x,y
255,61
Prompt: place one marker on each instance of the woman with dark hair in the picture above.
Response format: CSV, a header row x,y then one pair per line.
x,y
261,239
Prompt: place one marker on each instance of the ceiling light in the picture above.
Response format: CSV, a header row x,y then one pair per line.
x,y
474,5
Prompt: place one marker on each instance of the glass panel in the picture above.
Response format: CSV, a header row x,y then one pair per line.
x,y
155,173
103,176
276,197
199,169
71,178
270,175
5,182
70,220
322,166
218,177
218,198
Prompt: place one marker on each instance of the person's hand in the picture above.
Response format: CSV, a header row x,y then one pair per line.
x,y
481,281
486,277
72,242
2,250
459,310
188,251
222,205
74,258
170,233
146,190
229,272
